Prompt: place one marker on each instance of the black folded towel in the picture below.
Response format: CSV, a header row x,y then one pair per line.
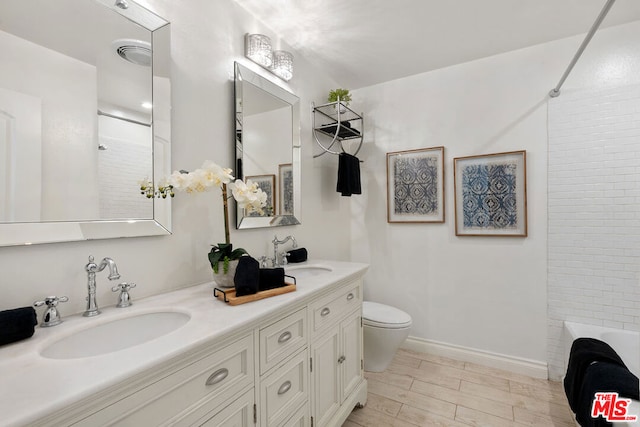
x,y
345,131
297,255
271,278
603,377
348,175
585,351
17,324
247,277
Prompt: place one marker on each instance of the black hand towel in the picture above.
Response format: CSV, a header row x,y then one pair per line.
x,y
585,351
297,255
17,324
603,377
271,278
247,277
348,175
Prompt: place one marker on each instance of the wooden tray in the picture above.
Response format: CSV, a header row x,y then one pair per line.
x,y
229,295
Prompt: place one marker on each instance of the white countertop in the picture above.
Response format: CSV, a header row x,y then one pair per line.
x,y
32,387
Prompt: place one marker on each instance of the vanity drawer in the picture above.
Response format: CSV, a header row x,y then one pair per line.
x,y
281,339
331,308
300,418
208,381
285,390
237,414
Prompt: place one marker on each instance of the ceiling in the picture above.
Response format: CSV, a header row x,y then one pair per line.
x,y
365,42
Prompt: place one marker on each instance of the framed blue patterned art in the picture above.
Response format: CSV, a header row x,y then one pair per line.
x,y
415,185
491,194
285,188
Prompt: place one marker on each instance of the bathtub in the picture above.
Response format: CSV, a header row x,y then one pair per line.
x,y
625,343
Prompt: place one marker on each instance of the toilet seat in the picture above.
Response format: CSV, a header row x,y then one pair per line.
x,y
384,316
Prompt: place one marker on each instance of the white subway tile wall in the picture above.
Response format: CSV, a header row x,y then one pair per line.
x,y
121,167
594,213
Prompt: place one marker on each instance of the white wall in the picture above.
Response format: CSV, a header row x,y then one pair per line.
x,y
20,157
482,293
206,38
594,214
67,92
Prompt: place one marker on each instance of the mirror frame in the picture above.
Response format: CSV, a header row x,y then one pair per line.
x,y
28,233
245,75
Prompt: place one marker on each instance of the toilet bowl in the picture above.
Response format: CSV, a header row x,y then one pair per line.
x,y
385,329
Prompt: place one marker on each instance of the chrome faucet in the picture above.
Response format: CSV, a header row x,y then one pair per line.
x,y
92,268
280,259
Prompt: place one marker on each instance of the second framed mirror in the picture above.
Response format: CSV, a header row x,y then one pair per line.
x,y
267,144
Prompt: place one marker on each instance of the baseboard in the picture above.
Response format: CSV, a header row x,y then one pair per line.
x,y
529,367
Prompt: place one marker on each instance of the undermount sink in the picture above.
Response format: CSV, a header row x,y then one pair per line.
x,y
115,335
301,271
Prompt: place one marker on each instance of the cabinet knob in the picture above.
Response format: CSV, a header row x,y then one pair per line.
x,y
350,296
217,376
342,359
285,387
325,311
286,336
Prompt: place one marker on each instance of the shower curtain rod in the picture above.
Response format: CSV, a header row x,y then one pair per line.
x,y
556,91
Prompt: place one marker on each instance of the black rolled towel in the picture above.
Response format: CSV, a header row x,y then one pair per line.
x,y
603,377
585,351
297,255
17,324
247,277
348,175
271,278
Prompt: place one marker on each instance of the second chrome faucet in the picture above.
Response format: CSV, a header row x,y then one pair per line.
x,y
92,268
279,259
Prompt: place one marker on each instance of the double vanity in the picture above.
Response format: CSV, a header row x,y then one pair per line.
x,y
186,358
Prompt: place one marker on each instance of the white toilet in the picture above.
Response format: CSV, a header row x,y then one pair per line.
x,y
385,329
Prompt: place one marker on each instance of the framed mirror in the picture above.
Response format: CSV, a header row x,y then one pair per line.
x,y
84,119
267,142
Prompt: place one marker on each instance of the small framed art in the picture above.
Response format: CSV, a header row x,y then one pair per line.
x,y
415,185
491,194
285,188
266,183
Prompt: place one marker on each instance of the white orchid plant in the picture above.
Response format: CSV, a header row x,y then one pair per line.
x,y
210,176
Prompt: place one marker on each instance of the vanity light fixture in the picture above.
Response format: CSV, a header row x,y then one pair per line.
x,y
283,64
258,49
279,62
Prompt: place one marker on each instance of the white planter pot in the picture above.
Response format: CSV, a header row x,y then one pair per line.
x,y
225,280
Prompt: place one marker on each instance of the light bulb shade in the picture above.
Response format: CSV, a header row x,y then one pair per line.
x,y
282,64
258,49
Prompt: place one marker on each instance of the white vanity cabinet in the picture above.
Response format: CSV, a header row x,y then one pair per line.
x,y
239,413
337,360
290,361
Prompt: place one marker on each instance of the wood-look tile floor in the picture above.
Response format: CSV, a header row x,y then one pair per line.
x,y
420,389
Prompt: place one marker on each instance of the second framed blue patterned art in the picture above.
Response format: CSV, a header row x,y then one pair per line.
x,y
415,185
491,194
